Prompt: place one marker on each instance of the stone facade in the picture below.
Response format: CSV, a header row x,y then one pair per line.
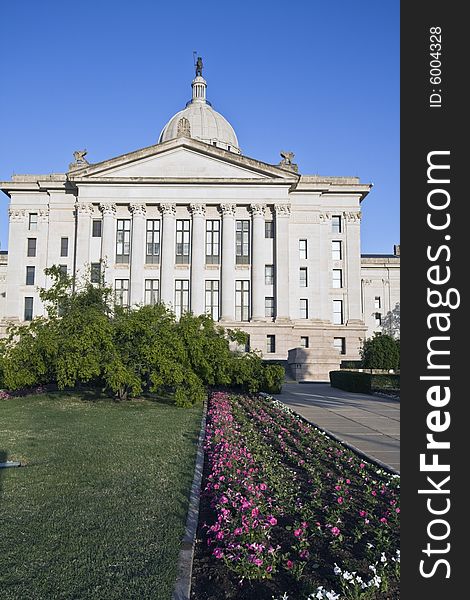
x,y
199,226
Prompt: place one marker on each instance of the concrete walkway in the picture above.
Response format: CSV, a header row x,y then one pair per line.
x,y
368,423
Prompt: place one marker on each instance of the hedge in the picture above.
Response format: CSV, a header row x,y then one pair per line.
x,y
355,381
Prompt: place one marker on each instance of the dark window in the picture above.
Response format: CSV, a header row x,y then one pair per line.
x,y
121,292
30,271
242,242
304,341
336,250
270,344
123,241
153,241
183,227
269,274
336,224
28,309
340,344
33,221
337,278
181,296
31,247
64,246
95,273
242,300
269,307
96,228
303,277
269,229
303,308
212,242
63,269
152,293
302,249
212,298
338,316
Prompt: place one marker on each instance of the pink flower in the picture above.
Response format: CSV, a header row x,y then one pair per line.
x,y
362,465
218,553
362,513
258,562
397,510
340,500
298,532
383,520
255,512
374,493
223,500
272,520
335,531
289,564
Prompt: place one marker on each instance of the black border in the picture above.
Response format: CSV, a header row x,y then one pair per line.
x,y
425,129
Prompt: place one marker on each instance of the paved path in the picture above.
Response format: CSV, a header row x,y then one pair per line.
x,y
369,423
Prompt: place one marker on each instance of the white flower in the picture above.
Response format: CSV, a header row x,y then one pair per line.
x,y
383,558
337,570
347,575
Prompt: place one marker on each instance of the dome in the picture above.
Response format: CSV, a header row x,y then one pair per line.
x,y
201,122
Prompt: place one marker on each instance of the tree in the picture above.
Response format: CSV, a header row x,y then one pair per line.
x,y
391,322
381,352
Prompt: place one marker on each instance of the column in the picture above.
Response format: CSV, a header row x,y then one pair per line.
x,y
108,235
353,258
325,265
84,214
137,253
282,261
167,260
258,262
228,262
198,253
18,234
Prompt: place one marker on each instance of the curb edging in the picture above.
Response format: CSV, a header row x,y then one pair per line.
x,y
182,589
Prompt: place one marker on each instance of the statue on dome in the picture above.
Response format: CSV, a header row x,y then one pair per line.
x,y
199,66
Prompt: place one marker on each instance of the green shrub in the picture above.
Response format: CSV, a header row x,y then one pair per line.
x,y
381,352
363,383
274,376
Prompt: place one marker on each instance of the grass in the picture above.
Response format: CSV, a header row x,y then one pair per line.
x,y
98,511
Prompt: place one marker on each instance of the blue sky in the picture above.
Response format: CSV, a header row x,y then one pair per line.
x,y
317,77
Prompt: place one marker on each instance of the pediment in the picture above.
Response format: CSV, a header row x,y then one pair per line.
x,y
177,159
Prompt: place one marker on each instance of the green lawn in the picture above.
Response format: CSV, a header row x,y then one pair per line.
x,y
100,507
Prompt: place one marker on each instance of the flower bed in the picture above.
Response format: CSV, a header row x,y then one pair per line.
x,y
286,512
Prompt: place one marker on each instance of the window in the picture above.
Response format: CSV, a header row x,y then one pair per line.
x,y
270,344
64,246
182,241
212,299
33,222
304,341
121,292
181,296
95,272
28,309
153,241
303,308
96,228
269,274
212,242
63,269
269,229
152,291
377,303
337,278
30,275
378,319
340,344
31,247
336,253
123,241
336,224
247,343
242,300
338,312
269,307
303,277
242,242
303,249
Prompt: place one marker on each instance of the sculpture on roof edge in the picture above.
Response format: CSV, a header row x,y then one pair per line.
x,y
286,162
80,160
199,66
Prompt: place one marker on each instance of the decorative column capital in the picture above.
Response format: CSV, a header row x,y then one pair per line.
x,y
324,217
257,210
43,215
228,210
108,209
138,209
353,217
168,209
85,208
282,210
17,214
197,210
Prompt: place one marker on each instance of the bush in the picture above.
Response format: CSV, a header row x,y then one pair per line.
x,y
365,383
274,376
381,352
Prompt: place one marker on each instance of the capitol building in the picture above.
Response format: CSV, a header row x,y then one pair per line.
x,y
194,223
